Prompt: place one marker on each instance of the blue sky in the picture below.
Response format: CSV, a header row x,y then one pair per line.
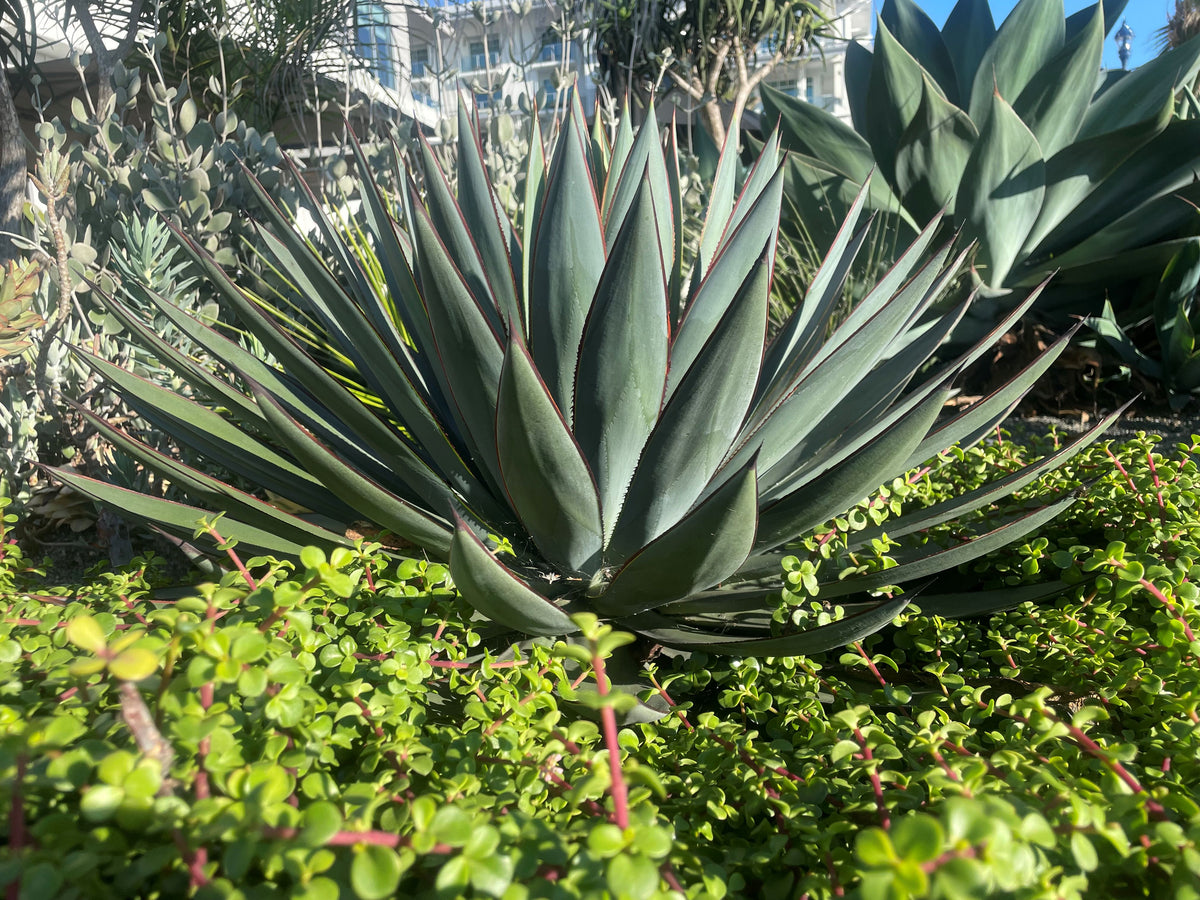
x,y
1145,18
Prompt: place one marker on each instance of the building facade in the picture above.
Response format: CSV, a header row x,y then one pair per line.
x,y
820,75
500,51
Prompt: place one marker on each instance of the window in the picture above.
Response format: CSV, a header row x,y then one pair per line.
x,y
475,58
374,38
487,101
791,87
809,90
550,91
420,62
552,47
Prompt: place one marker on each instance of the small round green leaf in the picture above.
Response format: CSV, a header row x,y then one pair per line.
x,y
322,820
918,838
375,872
100,802
85,632
637,876
1084,851
134,664
875,848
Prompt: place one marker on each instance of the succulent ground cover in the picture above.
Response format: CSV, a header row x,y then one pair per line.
x,y
342,727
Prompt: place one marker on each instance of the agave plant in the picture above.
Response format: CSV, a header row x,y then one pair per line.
x,y
558,388
1011,133
1175,319
18,287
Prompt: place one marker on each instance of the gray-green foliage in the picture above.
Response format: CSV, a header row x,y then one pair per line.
x,y
560,409
145,158
1049,167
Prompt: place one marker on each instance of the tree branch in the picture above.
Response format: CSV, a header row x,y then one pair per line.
x,y
696,92
764,70
715,69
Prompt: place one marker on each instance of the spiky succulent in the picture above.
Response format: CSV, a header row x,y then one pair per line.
x,y
18,287
558,387
1016,134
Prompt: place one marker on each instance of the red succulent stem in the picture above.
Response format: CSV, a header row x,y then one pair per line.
x,y
885,820
608,719
237,560
870,664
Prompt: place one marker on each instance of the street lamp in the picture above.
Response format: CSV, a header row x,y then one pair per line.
x,y
1124,39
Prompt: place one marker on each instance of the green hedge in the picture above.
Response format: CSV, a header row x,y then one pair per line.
x,y
340,728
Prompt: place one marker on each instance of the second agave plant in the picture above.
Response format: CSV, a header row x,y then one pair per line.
x,y
560,409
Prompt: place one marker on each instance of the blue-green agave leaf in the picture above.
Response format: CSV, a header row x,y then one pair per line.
x,y
806,328
1122,344
894,96
485,219
1076,171
987,494
356,490
967,35
623,357
1177,286
1026,41
721,195
985,603
450,225
932,154
859,62
497,593
758,181
323,388
1161,167
568,258
545,473
988,412
1161,218
932,560
644,164
197,375
830,491
622,144
735,262
815,640
788,413
182,520
371,342
1002,189
310,393
215,437
467,344
806,128
219,495
1056,100
395,260
1138,95
704,548
699,422
1078,21
535,195
917,33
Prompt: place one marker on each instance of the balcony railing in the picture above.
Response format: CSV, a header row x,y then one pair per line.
x,y
473,62
487,101
553,53
425,98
